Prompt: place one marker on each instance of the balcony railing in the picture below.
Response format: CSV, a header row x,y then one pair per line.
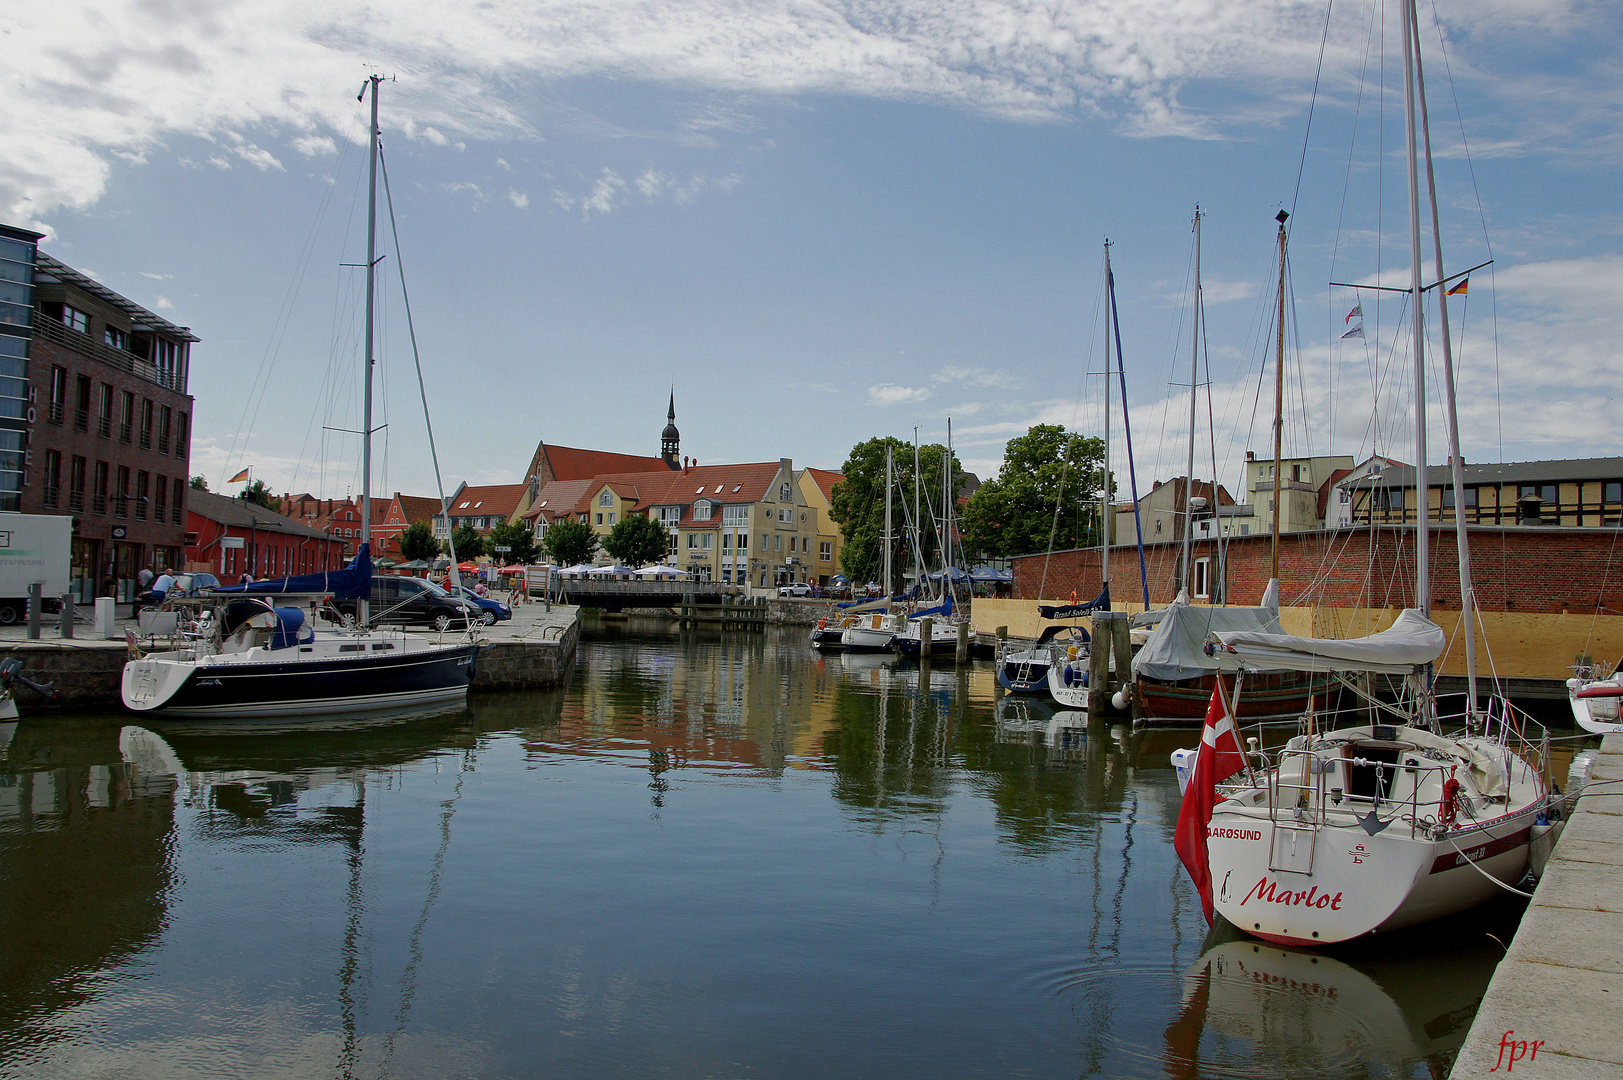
x,y
163,444
76,501
121,506
53,412
140,509
81,420
178,514
98,505
104,426
123,433
146,440
54,330
51,496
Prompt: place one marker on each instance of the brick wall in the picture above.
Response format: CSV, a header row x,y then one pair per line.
x,y
1528,569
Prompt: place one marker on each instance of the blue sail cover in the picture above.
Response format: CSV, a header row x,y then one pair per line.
x,y
1098,603
351,583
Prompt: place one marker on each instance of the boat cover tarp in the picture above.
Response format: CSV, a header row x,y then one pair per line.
x,y
290,629
351,583
1176,648
1098,603
881,604
1411,641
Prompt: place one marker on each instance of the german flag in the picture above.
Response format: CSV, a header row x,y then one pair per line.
x,y
240,477
1460,289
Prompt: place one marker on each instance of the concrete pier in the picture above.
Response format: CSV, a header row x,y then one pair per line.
x,y
534,649
1555,1006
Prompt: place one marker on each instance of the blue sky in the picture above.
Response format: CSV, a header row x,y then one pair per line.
x,y
825,221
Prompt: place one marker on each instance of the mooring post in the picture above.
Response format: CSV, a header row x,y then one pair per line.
x,y
35,592
65,627
1104,641
926,637
961,654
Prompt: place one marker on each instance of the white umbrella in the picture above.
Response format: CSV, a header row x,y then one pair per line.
x,y
608,571
661,572
578,568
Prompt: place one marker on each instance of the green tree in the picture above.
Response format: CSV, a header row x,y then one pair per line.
x,y
259,494
858,505
636,540
200,483
467,543
417,542
569,542
1044,470
515,536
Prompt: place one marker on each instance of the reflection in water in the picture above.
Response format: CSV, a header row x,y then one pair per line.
x,y
713,854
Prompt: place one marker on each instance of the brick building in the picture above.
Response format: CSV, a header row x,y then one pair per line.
x,y
231,536
104,432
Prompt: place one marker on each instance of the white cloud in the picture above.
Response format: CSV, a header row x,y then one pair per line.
x,y
157,277
966,376
87,81
518,199
605,190
163,304
315,145
888,394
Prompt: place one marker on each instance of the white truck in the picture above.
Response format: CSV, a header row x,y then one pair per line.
x,y
33,547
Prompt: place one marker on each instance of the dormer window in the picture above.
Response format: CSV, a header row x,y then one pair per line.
x,y
606,499
701,510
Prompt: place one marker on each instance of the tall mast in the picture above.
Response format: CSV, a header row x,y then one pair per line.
x,y
890,538
366,397
1104,499
1185,585
1456,463
918,522
1279,401
1422,529
947,510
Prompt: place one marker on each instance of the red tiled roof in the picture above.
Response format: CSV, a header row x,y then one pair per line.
x,y
572,463
419,508
745,483
488,501
826,479
558,499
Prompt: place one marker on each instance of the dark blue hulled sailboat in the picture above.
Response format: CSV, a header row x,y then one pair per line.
x,y
240,654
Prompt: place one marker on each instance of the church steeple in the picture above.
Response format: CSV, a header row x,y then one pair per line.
x,y
670,440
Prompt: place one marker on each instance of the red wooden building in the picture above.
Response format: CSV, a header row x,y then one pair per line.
x,y
227,537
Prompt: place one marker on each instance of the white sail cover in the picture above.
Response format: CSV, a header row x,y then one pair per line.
x,y
1176,648
1412,640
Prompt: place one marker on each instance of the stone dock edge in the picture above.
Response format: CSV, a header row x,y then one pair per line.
x,y
535,650
1554,1008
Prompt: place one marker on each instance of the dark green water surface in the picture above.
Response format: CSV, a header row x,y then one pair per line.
x,y
710,856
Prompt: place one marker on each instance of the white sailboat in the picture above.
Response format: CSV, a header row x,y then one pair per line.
x,y
1381,825
1597,703
873,631
240,654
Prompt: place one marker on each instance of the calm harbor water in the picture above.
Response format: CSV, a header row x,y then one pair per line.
x,y
710,856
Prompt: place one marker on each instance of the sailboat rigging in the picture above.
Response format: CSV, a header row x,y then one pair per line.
x,y
1436,824
240,653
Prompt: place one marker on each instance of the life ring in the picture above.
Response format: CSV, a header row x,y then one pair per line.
x,y
1073,597
822,624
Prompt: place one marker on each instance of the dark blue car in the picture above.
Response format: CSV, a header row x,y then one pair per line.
x,y
494,610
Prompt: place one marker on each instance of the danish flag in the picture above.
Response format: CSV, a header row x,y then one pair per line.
x,y
1218,759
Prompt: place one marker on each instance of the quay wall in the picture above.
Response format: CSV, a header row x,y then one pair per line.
x,y
532,652
1560,984
1516,645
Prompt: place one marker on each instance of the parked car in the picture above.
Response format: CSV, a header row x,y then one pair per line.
x,y
491,609
412,601
795,588
194,584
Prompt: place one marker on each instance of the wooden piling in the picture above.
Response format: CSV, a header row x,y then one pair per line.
x,y
926,638
1105,631
961,653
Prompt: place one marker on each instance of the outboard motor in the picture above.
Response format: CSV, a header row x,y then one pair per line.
x,y
11,675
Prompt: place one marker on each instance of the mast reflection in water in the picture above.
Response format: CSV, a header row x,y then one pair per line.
x,y
711,855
